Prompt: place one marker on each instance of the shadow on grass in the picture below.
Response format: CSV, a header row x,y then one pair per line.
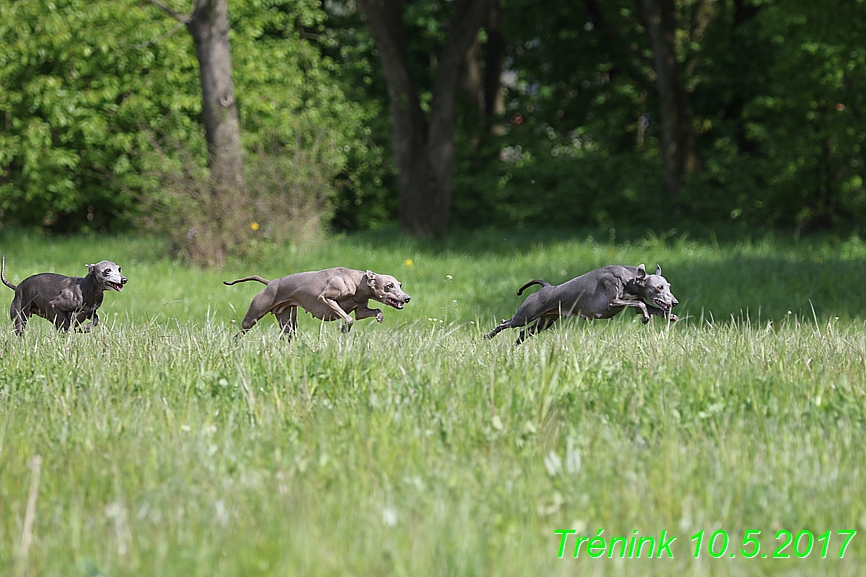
x,y
491,242
747,278
736,288
772,288
518,241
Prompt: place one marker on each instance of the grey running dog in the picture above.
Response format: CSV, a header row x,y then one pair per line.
x,y
598,294
64,300
328,295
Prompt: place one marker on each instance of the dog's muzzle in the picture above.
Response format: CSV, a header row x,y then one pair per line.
x,y
397,303
116,286
665,305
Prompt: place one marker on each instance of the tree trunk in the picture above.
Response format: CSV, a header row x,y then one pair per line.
x,y
494,104
481,76
679,150
222,212
209,27
423,150
471,77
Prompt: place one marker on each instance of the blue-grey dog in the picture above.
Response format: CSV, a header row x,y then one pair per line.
x,y
328,294
598,294
64,300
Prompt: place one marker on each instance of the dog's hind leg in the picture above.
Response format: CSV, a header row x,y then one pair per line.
x,y
260,306
522,336
543,323
288,319
531,309
498,329
505,324
19,316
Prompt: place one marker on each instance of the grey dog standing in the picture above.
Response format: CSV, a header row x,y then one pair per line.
x,y
328,295
63,300
598,294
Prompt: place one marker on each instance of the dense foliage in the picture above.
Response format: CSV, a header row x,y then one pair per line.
x,y
95,96
775,89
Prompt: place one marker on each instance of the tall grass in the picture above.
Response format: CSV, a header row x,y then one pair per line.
x,y
417,448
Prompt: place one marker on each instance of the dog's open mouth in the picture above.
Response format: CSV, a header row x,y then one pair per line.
x,y
115,286
662,304
392,302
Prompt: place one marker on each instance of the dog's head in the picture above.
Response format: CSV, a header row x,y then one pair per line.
x,y
107,275
655,288
386,289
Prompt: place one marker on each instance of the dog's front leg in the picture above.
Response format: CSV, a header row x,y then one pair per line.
x,y
364,312
336,288
616,298
661,313
638,304
332,304
61,319
94,320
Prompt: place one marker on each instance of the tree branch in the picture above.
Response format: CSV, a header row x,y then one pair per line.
x,y
147,43
179,17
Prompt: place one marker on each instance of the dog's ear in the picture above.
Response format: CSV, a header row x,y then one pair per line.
x,y
371,278
90,267
640,276
659,270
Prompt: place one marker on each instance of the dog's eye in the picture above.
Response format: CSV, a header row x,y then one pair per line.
x,y
390,286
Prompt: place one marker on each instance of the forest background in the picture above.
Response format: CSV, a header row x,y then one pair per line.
x,y
161,445
476,113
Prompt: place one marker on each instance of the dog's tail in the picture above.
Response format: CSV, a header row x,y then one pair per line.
x,y
3,274
245,279
543,283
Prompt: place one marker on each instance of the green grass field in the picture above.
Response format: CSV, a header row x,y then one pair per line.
x,y
414,447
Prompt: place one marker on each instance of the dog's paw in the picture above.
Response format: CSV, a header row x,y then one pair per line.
x,y
379,317
645,319
673,318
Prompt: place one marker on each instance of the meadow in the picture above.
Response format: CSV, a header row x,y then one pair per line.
x,y
158,445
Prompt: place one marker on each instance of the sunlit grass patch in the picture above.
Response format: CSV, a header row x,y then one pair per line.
x,y
415,447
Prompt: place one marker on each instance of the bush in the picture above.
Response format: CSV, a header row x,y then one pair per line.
x,y
101,110
288,199
564,182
